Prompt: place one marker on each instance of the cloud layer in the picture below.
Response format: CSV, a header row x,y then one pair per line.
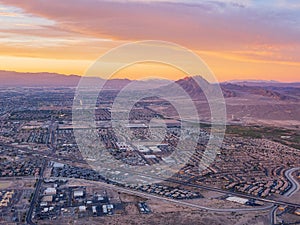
x,y
257,31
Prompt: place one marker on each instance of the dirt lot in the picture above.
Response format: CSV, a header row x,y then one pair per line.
x,y
181,218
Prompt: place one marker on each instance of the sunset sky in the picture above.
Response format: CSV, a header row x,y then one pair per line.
x,y
244,39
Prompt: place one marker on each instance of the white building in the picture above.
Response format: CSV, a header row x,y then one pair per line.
x,y
50,191
237,200
78,193
82,208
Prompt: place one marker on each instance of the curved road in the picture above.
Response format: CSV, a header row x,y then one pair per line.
x,y
295,185
273,215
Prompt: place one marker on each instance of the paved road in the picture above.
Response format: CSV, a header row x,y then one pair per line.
x,y
35,195
184,203
172,180
295,185
51,156
273,215
254,209
52,131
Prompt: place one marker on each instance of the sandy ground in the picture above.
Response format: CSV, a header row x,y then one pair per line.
x,y
181,218
17,184
5,184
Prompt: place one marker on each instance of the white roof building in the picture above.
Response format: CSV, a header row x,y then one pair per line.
x,y
150,156
78,193
155,149
237,200
82,208
50,191
143,149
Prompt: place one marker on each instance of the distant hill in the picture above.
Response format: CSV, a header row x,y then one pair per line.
x,y
15,79
262,91
230,90
265,89
263,83
269,103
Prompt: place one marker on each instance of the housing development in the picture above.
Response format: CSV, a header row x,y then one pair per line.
x,y
45,177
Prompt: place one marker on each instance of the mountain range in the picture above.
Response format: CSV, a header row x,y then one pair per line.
x,y
258,102
16,79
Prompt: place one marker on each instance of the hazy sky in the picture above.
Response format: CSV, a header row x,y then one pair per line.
x,y
243,39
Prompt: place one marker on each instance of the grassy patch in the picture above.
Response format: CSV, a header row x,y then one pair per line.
x,y
281,135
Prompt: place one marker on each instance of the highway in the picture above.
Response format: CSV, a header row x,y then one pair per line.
x,y
273,206
172,180
182,202
293,181
35,195
295,186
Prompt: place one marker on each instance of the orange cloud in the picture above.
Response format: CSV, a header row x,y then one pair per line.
x,y
236,40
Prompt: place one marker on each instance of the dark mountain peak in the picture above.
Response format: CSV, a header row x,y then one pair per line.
x,y
192,85
193,79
